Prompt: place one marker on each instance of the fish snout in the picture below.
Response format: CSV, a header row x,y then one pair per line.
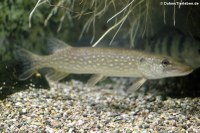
x,y
178,70
188,69
184,69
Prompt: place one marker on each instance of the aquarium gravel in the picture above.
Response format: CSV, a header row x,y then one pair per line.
x,y
73,107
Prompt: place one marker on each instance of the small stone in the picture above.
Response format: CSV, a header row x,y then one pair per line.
x,y
128,131
18,104
145,126
80,122
23,111
116,131
55,123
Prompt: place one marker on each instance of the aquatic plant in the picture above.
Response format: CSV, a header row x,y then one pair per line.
x,y
133,18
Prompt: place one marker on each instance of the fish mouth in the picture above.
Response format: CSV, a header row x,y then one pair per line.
x,y
181,70
187,71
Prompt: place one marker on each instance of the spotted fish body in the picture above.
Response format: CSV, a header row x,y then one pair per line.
x,y
94,60
174,43
102,62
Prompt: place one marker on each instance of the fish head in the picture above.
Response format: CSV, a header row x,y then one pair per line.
x,y
158,66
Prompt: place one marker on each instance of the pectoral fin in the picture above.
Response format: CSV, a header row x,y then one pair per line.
x,y
136,85
94,79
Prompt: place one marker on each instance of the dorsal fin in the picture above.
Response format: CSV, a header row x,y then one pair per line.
x,y
54,45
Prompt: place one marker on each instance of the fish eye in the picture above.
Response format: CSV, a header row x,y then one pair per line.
x,y
165,62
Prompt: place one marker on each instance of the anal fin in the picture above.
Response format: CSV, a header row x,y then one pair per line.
x,y
136,85
95,79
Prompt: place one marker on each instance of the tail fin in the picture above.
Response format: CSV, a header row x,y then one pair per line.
x,y
29,62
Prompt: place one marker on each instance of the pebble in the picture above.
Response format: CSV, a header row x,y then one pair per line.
x,y
83,109
80,122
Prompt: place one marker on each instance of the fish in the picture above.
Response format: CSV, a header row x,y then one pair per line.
x,y
173,42
100,61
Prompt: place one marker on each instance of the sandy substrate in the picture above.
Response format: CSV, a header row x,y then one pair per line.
x,y
74,107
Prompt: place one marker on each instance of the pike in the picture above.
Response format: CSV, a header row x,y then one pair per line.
x,y
102,62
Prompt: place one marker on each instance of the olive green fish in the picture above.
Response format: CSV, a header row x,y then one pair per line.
x,y
102,62
174,43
